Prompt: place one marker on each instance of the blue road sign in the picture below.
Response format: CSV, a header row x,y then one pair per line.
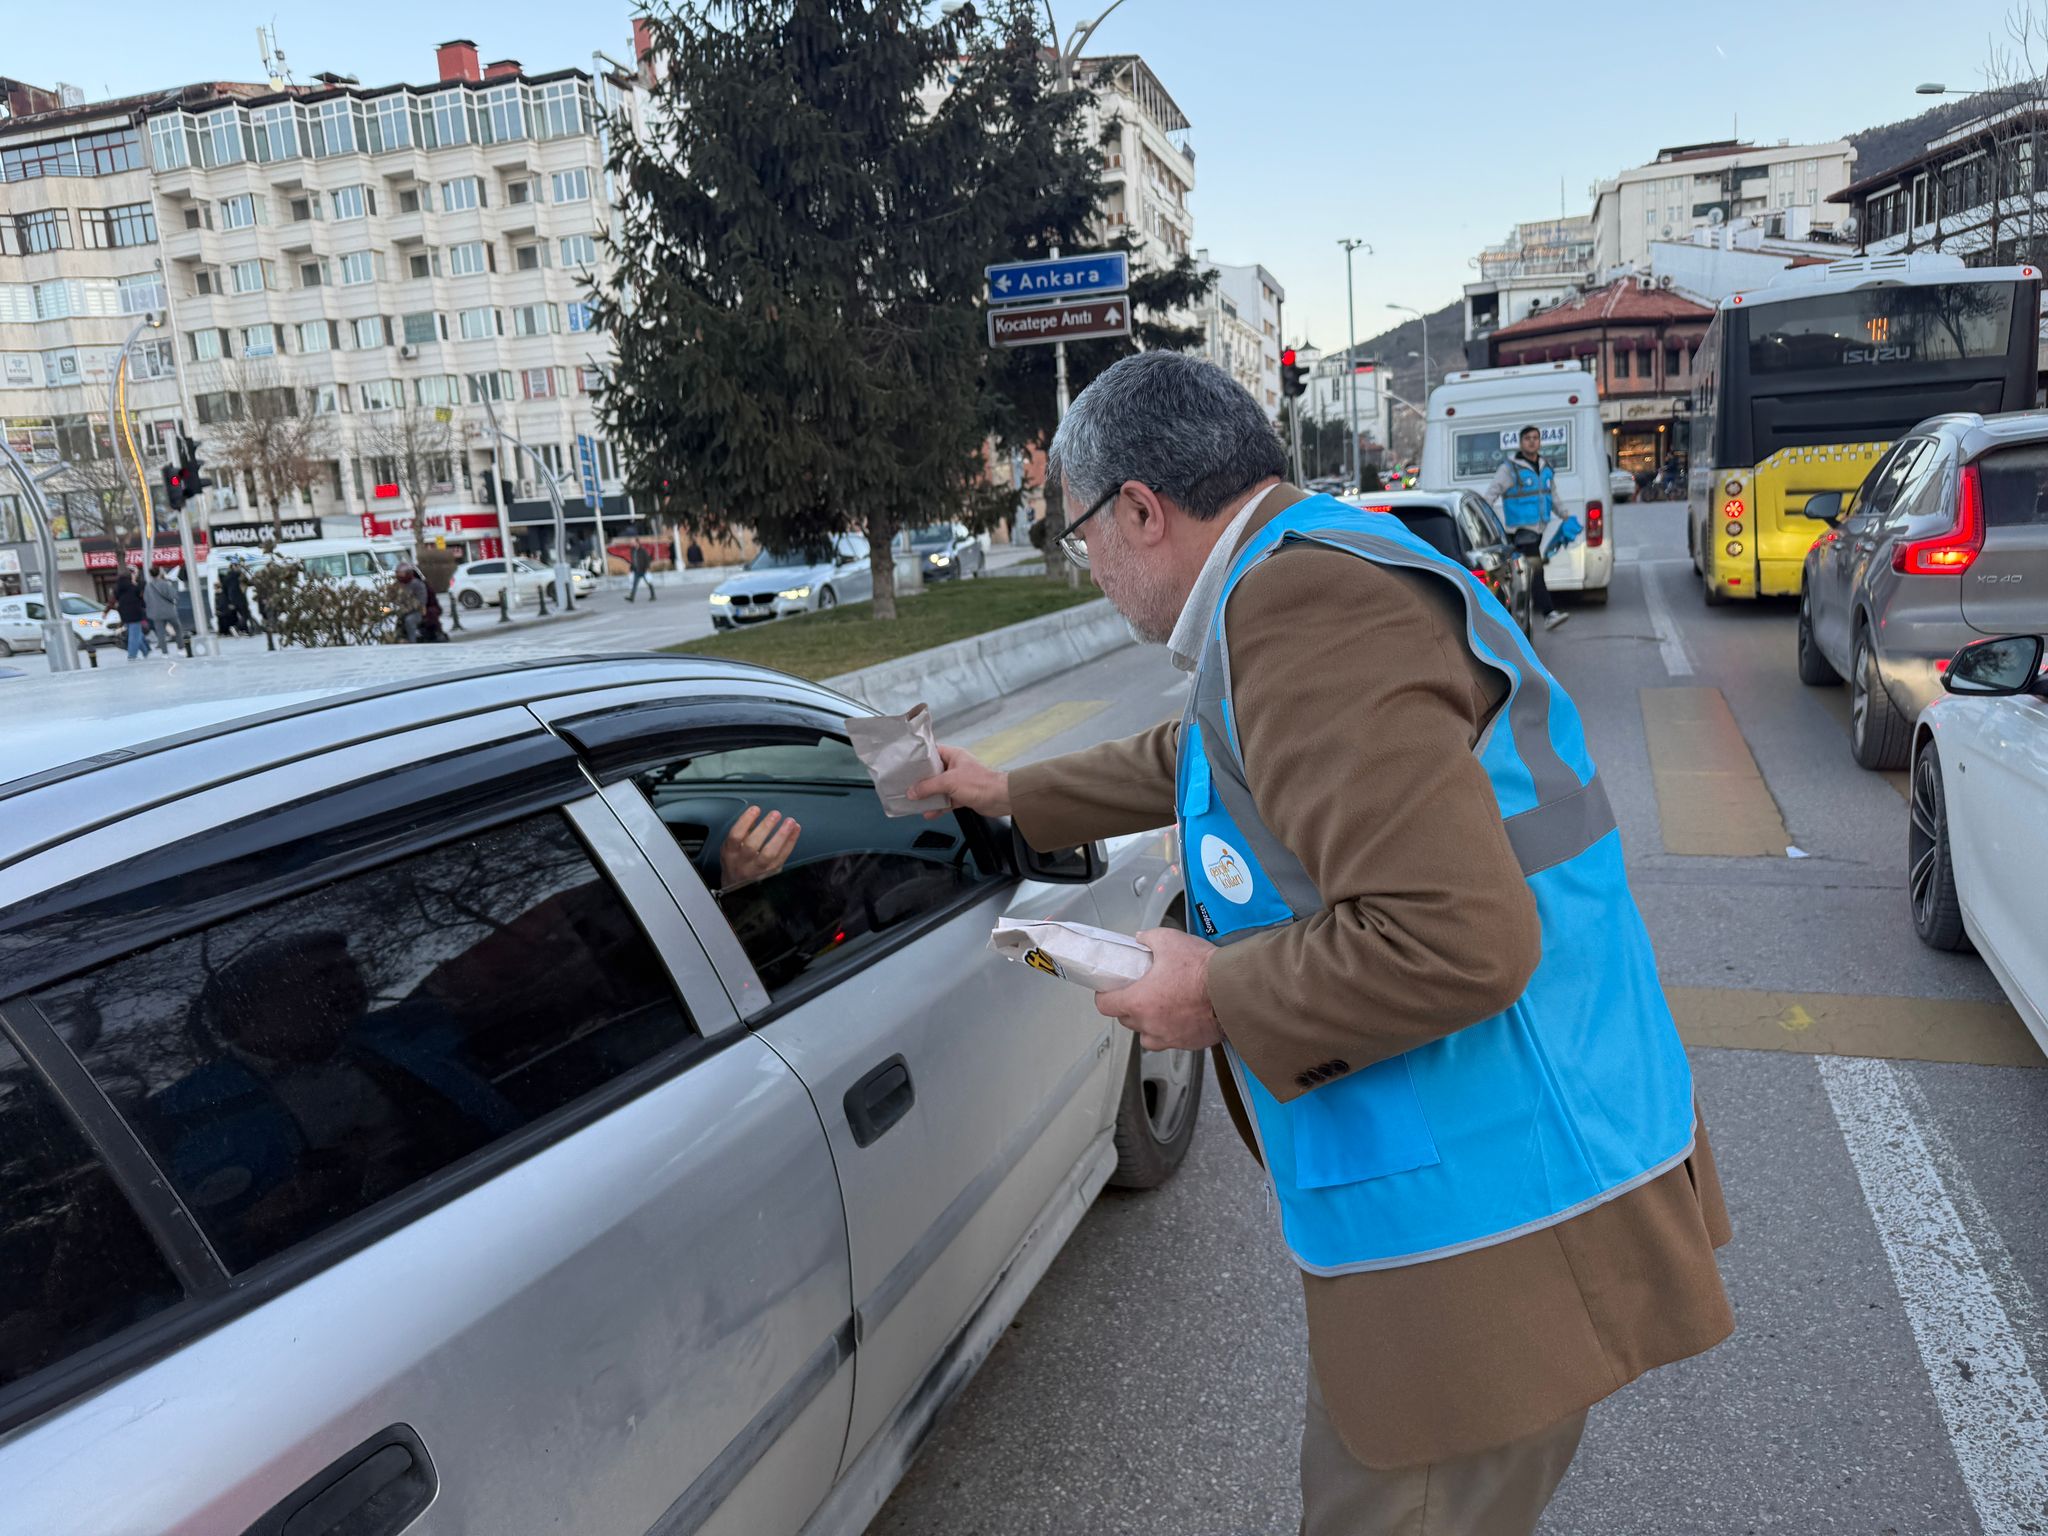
x,y
1062,277
586,469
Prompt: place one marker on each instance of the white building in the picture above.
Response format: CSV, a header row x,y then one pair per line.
x,y
1253,297
79,268
1540,265
1149,165
1693,186
369,256
1327,394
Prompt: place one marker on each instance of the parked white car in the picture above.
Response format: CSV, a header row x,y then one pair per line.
x,y
21,622
1979,831
482,581
778,583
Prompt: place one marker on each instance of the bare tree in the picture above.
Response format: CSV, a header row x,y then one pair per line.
x,y
268,435
2006,181
416,444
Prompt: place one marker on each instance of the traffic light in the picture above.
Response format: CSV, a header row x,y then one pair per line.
x,y
1293,377
191,479
174,487
487,487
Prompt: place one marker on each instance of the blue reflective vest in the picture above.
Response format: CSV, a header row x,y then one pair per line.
x,y
1577,1093
1529,501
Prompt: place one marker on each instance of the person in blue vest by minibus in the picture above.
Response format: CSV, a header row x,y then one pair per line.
x,y
1411,946
1523,492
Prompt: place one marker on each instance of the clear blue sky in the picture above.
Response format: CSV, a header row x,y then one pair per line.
x,y
1426,129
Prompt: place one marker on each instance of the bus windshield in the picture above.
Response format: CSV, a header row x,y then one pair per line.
x,y
1881,329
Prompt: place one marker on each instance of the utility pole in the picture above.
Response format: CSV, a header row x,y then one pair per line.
x,y
508,594
1351,357
1418,314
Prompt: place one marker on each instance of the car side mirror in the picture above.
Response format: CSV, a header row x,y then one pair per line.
x,y
1826,507
1066,866
1995,668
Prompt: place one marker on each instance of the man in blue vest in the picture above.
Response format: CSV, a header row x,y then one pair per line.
x,y
1411,945
1523,491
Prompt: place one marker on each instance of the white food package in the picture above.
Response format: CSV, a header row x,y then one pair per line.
x,y
898,751
1093,958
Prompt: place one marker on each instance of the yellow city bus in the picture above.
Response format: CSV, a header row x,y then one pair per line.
x,y
1799,387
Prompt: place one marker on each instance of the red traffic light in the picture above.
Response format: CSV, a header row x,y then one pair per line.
x,y
1287,358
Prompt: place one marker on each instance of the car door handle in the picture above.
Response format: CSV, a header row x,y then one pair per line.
x,y
879,1100
377,1489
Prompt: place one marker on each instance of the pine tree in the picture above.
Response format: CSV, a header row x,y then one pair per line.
x,y
800,346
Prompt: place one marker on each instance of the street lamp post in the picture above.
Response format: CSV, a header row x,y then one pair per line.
x,y
1418,314
60,645
1063,80
1351,354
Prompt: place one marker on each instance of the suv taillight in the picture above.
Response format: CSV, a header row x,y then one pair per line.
x,y
1596,525
1950,553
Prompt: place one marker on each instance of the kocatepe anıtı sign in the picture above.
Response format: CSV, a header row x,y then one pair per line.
x,y
249,535
1026,325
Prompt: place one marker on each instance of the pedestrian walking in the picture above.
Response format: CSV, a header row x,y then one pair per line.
x,y
128,603
641,561
234,600
694,555
412,596
1411,944
1523,491
160,602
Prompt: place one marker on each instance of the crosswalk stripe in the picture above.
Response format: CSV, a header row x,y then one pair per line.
x,y
1993,1408
1006,746
1845,1024
1711,800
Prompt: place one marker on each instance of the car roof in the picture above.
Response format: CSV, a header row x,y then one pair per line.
x,y
1439,501
64,723
1975,434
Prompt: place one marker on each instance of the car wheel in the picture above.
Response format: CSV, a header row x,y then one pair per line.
x,y
827,598
470,599
6,649
1930,863
1692,548
1156,1114
1814,670
1877,730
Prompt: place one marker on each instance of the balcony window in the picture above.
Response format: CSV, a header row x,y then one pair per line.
x,y
354,202
316,336
248,276
259,341
422,328
141,293
243,212
572,186
115,228
578,251
367,332
480,324
533,320
470,258
358,267
463,193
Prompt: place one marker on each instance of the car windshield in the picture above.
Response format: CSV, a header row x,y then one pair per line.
x,y
933,537
73,603
789,559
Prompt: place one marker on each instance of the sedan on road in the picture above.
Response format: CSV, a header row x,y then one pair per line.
x,y
1978,836
777,583
1464,527
1944,542
424,1110
948,552
482,582
21,622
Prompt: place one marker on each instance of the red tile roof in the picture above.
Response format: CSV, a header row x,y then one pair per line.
x,y
1620,303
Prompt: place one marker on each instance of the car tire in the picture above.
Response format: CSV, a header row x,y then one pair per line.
x,y
1156,1115
470,599
6,649
1692,549
1878,731
1814,669
827,598
1930,859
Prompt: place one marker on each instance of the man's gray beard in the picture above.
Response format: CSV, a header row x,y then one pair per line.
x,y
1141,634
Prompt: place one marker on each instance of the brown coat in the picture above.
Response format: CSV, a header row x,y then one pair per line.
x,y
1358,705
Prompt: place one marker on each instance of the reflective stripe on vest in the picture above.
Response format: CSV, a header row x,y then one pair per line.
x,y
1577,1093
1529,501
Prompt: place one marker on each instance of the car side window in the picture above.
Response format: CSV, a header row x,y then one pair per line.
x,y
295,1065
1882,488
853,875
1921,490
1480,531
2015,482
76,1263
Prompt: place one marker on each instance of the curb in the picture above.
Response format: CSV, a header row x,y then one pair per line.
x,y
979,670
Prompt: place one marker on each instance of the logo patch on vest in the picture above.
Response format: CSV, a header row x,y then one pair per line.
x,y
1229,875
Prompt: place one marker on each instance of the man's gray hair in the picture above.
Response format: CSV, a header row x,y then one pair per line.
x,y
1177,423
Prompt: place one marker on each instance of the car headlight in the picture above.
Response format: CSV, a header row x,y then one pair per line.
x,y
796,594
942,559
720,600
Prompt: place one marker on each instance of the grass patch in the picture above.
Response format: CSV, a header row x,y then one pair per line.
x,y
821,645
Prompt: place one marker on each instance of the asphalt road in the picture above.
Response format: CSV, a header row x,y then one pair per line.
x,y
1879,1116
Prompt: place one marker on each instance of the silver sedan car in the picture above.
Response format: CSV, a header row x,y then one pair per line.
x,y
418,1113
1945,542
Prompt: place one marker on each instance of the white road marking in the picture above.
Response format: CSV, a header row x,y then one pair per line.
x,y
1670,643
1996,1416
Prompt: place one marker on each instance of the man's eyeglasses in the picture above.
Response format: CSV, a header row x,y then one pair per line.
x,y
1074,548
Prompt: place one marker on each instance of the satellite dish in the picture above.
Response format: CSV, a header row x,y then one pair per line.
x,y
1850,226
1667,232
1716,218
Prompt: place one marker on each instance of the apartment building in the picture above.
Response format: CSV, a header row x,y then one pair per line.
x,y
1148,165
79,271
1541,263
1978,191
1696,186
392,265
1249,297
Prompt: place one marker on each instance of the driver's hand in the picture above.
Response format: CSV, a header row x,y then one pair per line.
x,y
756,847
